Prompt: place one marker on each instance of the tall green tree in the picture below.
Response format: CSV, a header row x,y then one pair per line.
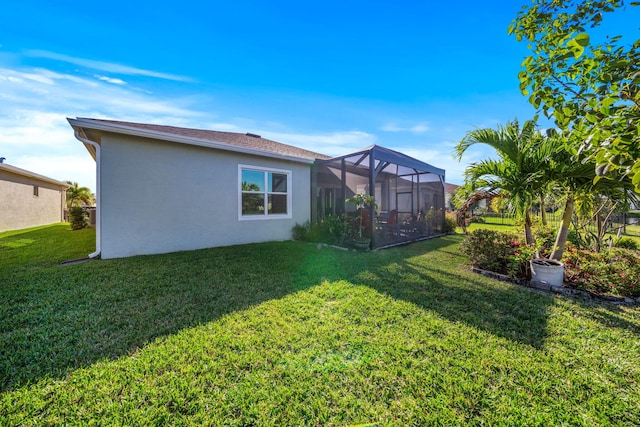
x,y
590,87
77,196
570,179
575,182
517,171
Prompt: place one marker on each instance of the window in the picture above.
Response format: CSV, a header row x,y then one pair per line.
x,y
36,191
264,193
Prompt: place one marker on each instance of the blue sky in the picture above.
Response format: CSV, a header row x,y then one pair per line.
x,y
329,76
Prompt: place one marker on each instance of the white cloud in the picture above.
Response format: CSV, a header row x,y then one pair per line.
x,y
34,105
111,80
71,95
332,144
104,66
417,128
226,127
29,128
80,168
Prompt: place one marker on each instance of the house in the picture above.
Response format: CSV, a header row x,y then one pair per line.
x,y
449,191
29,199
164,189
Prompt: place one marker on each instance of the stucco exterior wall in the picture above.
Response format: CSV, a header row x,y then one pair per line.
x,y
159,197
20,208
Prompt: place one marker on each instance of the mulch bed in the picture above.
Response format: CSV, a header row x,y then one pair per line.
x,y
543,286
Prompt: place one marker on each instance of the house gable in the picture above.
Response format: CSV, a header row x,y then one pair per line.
x,y
29,199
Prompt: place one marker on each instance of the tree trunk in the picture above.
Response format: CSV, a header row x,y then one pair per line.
x,y
543,212
600,232
528,233
563,232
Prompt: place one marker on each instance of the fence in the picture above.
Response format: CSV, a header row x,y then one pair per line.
x,y
554,219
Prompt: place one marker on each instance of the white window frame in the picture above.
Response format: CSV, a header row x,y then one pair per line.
x,y
266,171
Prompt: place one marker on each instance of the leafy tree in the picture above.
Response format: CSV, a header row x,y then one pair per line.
x,y
78,196
590,88
576,182
500,202
460,195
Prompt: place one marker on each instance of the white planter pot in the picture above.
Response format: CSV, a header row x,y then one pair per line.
x,y
547,271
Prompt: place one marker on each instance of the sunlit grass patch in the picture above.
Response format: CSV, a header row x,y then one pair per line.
x,y
307,336
46,245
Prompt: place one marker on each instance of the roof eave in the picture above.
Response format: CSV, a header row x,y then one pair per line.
x,y
32,175
78,124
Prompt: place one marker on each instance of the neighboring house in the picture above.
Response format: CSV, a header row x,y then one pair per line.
x,y
449,190
164,189
29,199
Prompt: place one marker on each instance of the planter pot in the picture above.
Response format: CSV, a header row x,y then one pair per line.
x,y
361,244
548,271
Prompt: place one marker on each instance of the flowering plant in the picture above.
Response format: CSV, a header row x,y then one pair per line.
x,y
610,272
616,271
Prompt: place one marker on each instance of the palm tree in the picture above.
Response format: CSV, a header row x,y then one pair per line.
x,y
77,196
518,171
530,165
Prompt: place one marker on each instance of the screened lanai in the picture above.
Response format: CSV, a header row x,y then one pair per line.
x,y
409,194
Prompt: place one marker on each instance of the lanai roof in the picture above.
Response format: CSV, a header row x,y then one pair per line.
x,y
387,155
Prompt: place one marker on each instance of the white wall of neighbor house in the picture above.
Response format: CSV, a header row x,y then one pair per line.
x,y
159,197
22,207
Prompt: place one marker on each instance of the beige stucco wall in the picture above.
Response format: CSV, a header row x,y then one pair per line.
x,y
159,197
19,208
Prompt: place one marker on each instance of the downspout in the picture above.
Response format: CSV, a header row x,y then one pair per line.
x,y
98,201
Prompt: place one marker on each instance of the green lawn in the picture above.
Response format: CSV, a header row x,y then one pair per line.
x,y
290,334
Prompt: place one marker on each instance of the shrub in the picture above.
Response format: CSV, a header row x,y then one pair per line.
x,y
611,272
491,250
519,266
333,229
545,239
301,231
627,243
337,228
450,222
616,271
78,218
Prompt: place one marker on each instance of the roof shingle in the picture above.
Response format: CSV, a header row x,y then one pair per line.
x,y
251,141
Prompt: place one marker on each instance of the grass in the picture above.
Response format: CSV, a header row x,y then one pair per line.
x,y
289,334
44,246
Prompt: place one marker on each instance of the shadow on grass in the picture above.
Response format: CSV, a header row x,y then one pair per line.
x,y
57,319
437,281
613,316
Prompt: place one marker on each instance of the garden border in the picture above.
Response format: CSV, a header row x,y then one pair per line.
x,y
563,290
